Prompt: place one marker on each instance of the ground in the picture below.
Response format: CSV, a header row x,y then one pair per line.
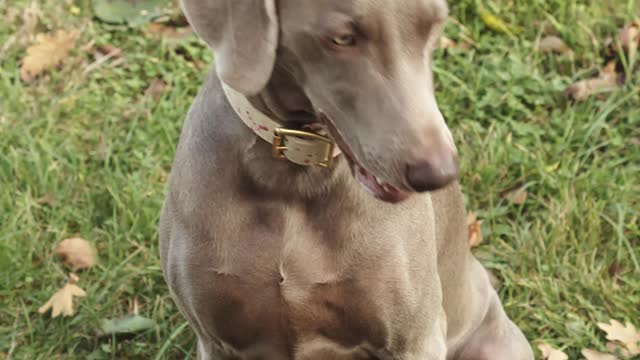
x,y
99,150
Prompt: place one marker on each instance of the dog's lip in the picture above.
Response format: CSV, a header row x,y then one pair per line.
x,y
372,183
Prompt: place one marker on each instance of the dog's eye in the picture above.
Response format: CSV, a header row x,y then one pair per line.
x,y
344,40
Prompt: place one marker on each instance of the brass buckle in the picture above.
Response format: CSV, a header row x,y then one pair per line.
x,y
280,135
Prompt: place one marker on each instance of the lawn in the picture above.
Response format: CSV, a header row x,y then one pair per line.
x,y
86,151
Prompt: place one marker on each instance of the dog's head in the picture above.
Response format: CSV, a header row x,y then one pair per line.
x,y
363,65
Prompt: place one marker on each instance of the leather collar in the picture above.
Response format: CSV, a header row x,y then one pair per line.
x,y
298,146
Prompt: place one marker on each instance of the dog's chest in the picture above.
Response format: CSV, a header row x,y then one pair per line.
x,y
309,291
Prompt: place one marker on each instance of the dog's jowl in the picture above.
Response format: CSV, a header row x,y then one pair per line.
x,y
313,210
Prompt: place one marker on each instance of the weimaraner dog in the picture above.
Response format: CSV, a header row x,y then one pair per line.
x,y
313,209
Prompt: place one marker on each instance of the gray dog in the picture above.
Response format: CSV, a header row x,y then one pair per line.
x,y
270,246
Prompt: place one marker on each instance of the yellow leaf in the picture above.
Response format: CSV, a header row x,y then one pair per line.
x,y
77,253
549,353
493,22
48,52
61,302
625,334
474,229
590,354
552,167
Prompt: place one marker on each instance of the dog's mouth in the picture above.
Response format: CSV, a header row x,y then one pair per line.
x,y
372,183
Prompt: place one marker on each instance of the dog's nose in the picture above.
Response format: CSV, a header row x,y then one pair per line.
x,y
434,172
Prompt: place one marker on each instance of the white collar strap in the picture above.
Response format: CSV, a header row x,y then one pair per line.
x,y
300,147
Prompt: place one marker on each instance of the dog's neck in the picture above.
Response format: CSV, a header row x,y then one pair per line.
x,y
293,137
284,102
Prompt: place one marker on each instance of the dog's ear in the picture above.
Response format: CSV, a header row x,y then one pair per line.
x,y
243,35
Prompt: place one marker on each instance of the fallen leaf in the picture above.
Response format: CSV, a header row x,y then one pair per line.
x,y
552,168
170,32
585,88
108,50
625,334
199,64
517,196
61,302
553,44
609,69
48,199
103,54
630,36
549,353
77,253
156,88
128,324
630,41
74,10
590,354
615,269
48,52
607,80
618,349
130,12
446,43
474,229
493,22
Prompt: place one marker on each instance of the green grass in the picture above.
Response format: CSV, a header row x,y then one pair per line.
x,y
567,258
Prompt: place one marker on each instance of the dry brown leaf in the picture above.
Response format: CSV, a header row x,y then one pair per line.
x,y
446,43
517,196
108,50
609,69
625,334
549,353
170,32
585,88
103,54
590,354
607,80
48,199
48,52
630,41
77,253
474,229
615,269
156,88
61,302
630,36
618,349
553,44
